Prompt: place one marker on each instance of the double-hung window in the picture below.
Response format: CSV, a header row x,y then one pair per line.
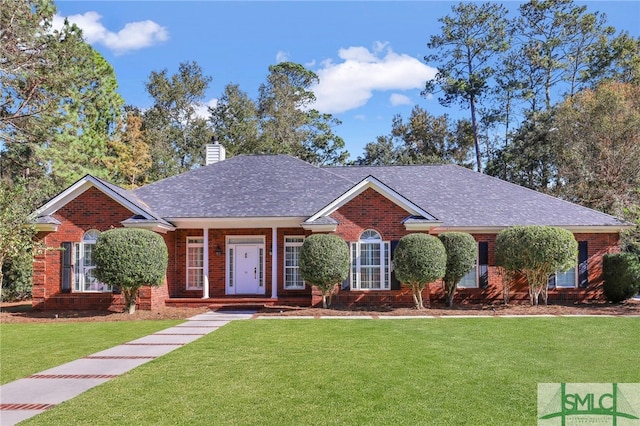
x,y
578,276
84,279
370,262
478,277
195,263
292,278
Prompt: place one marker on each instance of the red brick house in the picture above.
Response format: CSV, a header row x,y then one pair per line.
x,y
234,229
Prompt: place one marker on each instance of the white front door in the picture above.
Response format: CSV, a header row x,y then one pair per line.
x,y
247,269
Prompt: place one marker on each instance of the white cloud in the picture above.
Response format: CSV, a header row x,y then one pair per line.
x,y
282,57
133,36
350,83
202,110
399,99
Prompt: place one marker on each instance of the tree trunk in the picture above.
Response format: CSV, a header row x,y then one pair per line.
x,y
325,305
531,295
505,294
1,274
545,293
451,290
476,141
417,297
130,295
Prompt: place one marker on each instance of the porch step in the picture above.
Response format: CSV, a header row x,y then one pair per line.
x,y
222,303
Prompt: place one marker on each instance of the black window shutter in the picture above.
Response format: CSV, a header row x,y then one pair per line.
x,y
67,267
395,284
552,281
583,260
345,283
483,264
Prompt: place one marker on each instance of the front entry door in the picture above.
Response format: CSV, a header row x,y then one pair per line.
x,y
247,269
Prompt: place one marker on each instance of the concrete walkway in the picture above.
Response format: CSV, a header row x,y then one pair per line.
x,y
32,395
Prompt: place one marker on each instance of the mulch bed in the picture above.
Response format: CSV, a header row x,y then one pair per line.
x,y
22,313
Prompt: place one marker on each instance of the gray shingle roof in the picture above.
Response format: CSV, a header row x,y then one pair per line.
x,y
245,186
283,186
464,198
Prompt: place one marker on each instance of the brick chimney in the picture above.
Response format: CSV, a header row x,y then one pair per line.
x,y
215,152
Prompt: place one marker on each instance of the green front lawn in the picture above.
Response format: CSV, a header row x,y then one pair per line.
x,y
480,371
30,348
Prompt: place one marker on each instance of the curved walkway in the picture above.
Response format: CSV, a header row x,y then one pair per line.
x,y
32,395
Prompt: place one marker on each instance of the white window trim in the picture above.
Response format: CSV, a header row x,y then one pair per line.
x,y
191,243
284,260
80,268
385,263
575,277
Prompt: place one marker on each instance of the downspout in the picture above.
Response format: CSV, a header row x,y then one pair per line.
x,y
205,259
274,262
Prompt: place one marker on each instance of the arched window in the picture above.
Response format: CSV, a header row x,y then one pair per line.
x,y
85,281
370,259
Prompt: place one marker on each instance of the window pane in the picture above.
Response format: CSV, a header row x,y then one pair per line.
x,y
292,277
370,235
370,277
196,278
370,254
566,279
469,280
195,263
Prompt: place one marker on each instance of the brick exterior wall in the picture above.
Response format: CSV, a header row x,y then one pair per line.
x,y
370,210
217,263
91,210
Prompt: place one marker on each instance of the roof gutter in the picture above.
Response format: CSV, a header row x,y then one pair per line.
x,y
576,229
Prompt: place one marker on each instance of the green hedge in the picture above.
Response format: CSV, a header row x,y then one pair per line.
x,y
536,252
324,262
130,258
462,255
418,260
621,276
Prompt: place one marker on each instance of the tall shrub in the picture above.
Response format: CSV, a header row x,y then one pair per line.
x,y
462,255
418,260
324,262
130,258
536,252
621,276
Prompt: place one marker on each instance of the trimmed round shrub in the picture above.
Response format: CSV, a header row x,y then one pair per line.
x,y
462,254
130,258
621,273
418,260
536,252
324,262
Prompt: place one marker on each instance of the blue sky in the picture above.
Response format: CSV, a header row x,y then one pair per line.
x,y
368,54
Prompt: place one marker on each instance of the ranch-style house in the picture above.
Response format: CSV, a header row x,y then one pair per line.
x,y
234,229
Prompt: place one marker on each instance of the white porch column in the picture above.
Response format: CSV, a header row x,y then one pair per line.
x,y
205,259
274,262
